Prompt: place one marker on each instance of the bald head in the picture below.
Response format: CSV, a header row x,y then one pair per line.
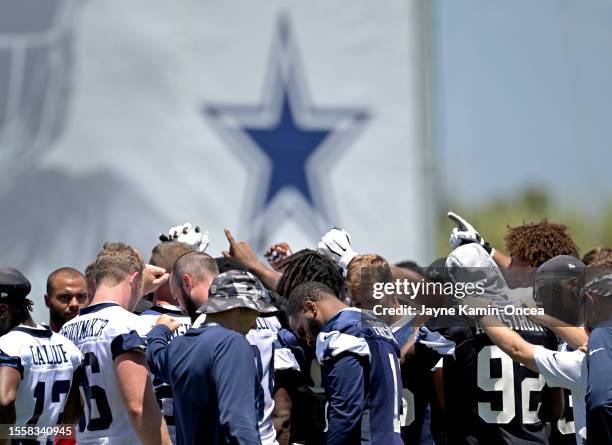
x,y
66,295
61,274
197,265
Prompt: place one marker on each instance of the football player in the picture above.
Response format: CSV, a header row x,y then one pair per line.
x,y
488,398
120,406
557,284
359,366
38,368
164,255
66,295
211,368
270,357
598,306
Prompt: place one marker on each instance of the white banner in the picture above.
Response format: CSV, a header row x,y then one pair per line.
x,y
275,119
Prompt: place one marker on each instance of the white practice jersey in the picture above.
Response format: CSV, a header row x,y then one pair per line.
x,y
262,338
163,392
567,369
46,362
102,332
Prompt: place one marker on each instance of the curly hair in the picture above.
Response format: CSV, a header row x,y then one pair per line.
x,y
308,265
599,256
540,241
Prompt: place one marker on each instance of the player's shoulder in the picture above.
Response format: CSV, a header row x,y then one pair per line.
x,y
346,320
13,341
104,320
346,332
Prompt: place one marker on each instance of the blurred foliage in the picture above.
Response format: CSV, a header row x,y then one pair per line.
x,y
588,229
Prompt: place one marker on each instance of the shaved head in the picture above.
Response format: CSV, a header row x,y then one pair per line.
x,y
63,272
66,295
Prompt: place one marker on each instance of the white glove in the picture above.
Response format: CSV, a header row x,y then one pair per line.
x,y
187,234
465,233
336,244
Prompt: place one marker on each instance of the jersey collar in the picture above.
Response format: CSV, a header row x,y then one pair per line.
x,y
97,307
34,332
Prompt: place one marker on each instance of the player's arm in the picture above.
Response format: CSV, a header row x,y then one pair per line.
x,y
243,253
344,385
157,346
509,341
74,402
137,394
234,375
10,377
281,415
11,372
157,351
575,336
465,233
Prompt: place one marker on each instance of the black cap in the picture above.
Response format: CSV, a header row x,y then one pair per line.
x,y
13,284
561,267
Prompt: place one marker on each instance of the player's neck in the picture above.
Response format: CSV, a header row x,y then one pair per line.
x,y
29,322
329,308
116,294
226,319
164,301
55,325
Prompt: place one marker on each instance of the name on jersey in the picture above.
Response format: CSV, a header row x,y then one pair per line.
x,y
518,322
91,327
380,329
49,354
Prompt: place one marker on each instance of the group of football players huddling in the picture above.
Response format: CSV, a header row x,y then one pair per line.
x,y
316,346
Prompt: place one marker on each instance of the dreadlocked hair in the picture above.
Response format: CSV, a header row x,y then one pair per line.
x,y
20,308
308,265
538,242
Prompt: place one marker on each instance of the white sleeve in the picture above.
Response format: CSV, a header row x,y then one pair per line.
x,y
559,369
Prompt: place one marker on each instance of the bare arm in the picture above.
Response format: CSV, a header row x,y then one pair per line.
x,y
574,336
242,252
9,385
509,341
501,260
281,416
139,399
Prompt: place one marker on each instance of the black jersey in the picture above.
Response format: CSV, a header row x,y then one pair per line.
x,y
490,399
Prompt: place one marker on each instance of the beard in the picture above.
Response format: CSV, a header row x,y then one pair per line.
x,y
190,307
314,326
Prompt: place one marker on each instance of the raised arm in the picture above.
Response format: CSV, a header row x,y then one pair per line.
x,y
242,252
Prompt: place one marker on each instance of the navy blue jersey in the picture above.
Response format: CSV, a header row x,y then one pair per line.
x,y
490,398
599,388
417,391
213,377
361,375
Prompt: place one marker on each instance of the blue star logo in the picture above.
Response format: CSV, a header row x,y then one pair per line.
x,y
288,143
